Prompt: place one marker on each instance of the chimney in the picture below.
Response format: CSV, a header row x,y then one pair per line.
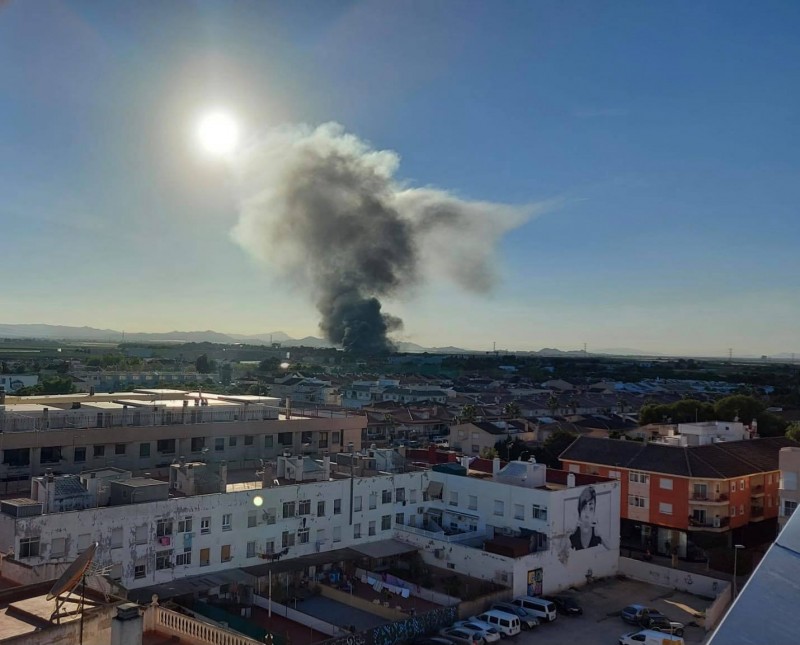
x,y
223,476
326,468
288,408
465,461
128,625
495,466
571,480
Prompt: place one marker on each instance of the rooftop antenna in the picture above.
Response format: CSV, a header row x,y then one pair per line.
x,y
66,585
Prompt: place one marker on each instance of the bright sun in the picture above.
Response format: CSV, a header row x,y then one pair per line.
x,y
218,133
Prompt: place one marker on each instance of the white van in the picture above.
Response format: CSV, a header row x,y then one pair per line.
x,y
650,637
506,624
539,607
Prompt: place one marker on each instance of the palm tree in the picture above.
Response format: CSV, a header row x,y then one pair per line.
x,y
467,413
511,409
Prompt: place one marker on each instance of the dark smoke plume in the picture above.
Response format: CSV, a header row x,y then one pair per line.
x,y
324,208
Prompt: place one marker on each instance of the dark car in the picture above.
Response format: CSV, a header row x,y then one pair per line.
x,y
432,640
661,623
639,614
566,605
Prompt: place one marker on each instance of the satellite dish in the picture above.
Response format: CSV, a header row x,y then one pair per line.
x,y
73,574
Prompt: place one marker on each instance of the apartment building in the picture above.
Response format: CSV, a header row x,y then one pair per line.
x,y
674,496
789,464
146,430
524,526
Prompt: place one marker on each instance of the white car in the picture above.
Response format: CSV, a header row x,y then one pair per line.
x,y
489,633
649,637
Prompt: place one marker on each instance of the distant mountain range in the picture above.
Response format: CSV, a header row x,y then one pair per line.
x,y
63,332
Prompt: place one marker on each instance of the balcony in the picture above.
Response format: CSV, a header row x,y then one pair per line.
x,y
696,497
756,513
715,525
757,491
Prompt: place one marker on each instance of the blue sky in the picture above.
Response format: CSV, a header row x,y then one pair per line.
x,y
668,132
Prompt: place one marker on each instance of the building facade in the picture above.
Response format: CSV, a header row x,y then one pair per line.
x,y
789,463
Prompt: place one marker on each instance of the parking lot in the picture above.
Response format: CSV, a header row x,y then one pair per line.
x,y
602,602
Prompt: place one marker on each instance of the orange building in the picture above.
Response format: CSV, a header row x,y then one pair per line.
x,y
675,497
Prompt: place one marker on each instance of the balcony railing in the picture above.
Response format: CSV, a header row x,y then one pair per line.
x,y
756,511
708,497
714,523
170,623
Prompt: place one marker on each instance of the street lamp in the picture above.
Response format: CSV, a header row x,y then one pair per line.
x,y
736,548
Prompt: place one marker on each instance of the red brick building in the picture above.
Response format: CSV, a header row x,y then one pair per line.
x,y
675,497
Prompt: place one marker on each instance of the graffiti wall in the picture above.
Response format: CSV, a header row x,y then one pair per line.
x,y
401,630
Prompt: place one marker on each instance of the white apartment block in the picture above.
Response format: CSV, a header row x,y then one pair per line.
x,y
456,522
146,430
789,464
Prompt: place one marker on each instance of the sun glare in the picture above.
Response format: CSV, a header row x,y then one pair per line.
x,y
218,133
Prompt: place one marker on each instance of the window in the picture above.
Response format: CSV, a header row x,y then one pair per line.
x,y
29,547
665,483
58,547
141,534
165,446
371,527
287,539
205,557
198,443
232,441
337,534
116,537
269,546
386,497
304,507
357,503
251,549
519,512
248,440
356,531
205,525
19,456
741,484
614,474
664,508
400,495
323,440
453,498
499,507
185,558
337,506
413,494
769,478
741,509
185,525
539,512
398,518
164,560
788,480
336,438
163,528
285,439
733,511
306,437
288,509
120,448
252,519
219,444
79,456
50,455
638,478
272,514
100,451
139,571
225,553
636,501
386,522
321,508
788,507
226,522
320,536
473,503
269,441
373,501
144,450
84,540
733,487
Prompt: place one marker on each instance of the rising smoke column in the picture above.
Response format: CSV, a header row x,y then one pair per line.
x,y
324,208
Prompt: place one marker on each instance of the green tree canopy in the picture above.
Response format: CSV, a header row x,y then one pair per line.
x,y
793,431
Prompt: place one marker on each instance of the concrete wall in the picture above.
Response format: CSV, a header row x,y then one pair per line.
x,y
674,578
298,616
389,613
415,590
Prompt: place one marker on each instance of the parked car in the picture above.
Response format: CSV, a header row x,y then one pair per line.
x,y
663,624
461,636
526,619
505,623
566,605
489,633
537,607
636,614
432,640
649,637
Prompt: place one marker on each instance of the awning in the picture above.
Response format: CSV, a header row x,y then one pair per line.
x,y
190,585
434,490
384,548
297,564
